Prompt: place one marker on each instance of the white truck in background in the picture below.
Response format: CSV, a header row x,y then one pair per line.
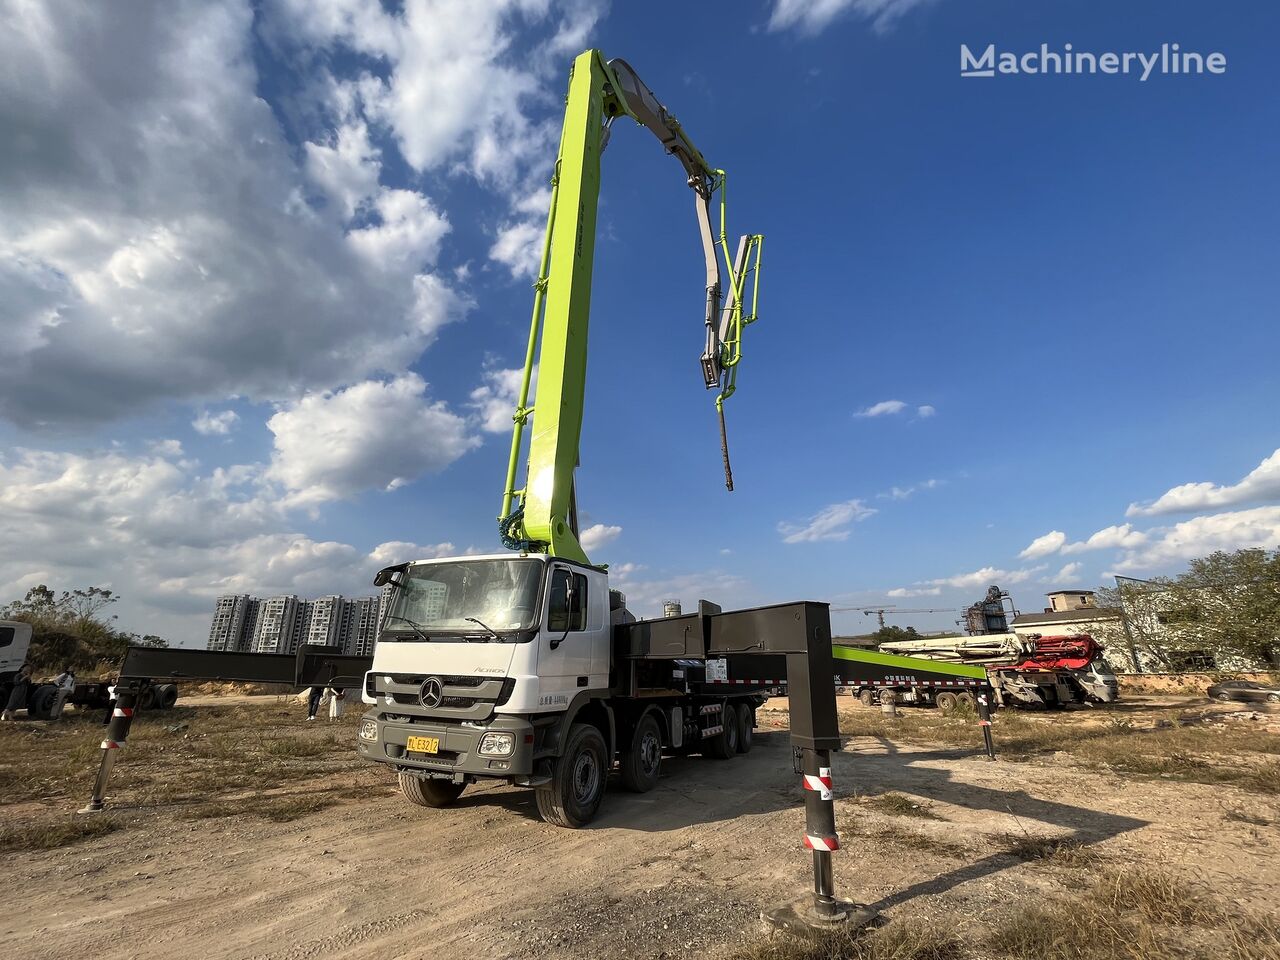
x,y
15,647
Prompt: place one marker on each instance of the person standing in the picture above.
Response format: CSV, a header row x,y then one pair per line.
x,y
337,698
19,693
65,684
313,701
111,700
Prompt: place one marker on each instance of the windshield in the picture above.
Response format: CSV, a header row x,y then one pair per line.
x,y
502,594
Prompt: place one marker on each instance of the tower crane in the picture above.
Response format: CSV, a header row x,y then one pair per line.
x,y
880,611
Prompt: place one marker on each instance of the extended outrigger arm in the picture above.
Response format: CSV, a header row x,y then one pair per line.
x,y
599,93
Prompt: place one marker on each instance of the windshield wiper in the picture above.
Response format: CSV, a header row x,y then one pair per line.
x,y
414,626
488,629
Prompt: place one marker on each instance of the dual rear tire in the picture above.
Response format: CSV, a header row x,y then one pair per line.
x,y
735,733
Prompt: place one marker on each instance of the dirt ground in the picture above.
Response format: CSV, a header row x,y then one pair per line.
x,y
683,871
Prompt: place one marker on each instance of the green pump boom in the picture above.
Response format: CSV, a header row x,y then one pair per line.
x,y
599,93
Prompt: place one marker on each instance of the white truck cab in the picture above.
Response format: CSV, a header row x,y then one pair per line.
x,y
504,667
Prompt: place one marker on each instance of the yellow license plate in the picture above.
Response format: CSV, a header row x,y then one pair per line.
x,y
423,745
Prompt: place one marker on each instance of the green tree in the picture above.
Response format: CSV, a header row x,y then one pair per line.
x,y
892,634
1229,604
73,627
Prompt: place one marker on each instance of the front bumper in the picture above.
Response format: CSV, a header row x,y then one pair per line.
x,y
459,756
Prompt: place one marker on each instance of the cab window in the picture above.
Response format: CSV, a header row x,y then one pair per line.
x,y
567,601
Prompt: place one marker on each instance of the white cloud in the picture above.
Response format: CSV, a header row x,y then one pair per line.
x,y
598,535
1167,547
456,83
1051,542
166,448
974,580
408,235
495,400
904,493
519,248
1121,536
346,167
156,240
882,409
813,16
925,410
898,593
1070,573
1260,485
376,434
829,523
166,538
215,424
645,594
398,551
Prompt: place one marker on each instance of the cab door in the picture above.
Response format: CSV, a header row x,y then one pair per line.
x,y
572,642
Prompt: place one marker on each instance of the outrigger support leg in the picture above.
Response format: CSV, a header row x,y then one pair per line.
x,y
128,695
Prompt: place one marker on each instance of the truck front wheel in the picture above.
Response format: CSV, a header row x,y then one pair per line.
x,y
642,763
576,789
429,793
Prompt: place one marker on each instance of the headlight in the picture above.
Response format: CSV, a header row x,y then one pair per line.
x,y
497,744
368,730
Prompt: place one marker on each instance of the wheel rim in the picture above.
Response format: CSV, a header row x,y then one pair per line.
x,y
585,777
650,754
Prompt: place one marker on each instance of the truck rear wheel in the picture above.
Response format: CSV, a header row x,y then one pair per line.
x,y
868,698
946,701
576,790
429,793
166,696
642,763
746,727
724,744
40,702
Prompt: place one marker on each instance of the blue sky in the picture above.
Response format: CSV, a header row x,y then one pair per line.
x,y
264,274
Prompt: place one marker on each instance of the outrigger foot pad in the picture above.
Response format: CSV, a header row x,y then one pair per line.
x,y
803,918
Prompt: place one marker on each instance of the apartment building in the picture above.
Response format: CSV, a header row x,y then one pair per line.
x,y
277,623
235,619
281,624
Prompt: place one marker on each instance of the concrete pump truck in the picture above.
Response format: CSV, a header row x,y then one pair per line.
x,y
513,666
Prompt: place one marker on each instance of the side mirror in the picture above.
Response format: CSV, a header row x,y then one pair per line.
x,y
388,575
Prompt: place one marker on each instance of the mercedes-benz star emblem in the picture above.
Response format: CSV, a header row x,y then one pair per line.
x,y
431,692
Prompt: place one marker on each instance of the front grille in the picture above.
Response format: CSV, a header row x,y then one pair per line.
x,y
416,679
462,697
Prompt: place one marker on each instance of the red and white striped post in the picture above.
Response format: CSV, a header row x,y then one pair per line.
x,y
127,698
820,829
984,721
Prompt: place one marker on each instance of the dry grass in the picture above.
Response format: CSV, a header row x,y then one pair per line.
x,y
907,940
1136,914
1169,744
189,760
56,833
1055,851
896,805
275,809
